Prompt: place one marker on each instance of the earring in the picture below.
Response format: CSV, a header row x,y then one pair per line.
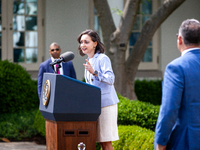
x,y
94,47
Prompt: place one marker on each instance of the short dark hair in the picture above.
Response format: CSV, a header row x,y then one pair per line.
x,y
100,48
190,32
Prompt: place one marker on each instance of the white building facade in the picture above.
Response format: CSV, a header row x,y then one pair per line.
x,y
28,27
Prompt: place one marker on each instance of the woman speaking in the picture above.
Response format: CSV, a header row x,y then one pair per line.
x,y
98,72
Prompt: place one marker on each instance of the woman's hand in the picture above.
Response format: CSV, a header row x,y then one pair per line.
x,y
88,67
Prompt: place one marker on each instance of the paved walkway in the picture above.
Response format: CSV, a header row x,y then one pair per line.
x,y
21,146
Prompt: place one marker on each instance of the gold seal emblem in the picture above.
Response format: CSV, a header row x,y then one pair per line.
x,y
46,92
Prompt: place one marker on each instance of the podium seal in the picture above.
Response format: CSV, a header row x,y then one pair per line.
x,y
46,92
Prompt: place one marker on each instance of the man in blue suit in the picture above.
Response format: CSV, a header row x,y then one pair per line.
x,y
178,124
66,68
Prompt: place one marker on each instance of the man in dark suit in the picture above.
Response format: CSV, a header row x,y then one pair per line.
x,y
178,124
66,68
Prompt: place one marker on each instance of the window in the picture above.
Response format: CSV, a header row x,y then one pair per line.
x,y
97,27
150,59
25,37
144,13
22,29
96,22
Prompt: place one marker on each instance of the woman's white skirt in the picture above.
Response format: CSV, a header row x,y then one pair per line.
x,y
107,129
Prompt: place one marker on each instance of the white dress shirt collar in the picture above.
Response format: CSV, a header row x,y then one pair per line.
x,y
187,50
61,69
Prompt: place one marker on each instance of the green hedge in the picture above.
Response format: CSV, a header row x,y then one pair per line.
x,y
137,113
17,126
134,138
130,137
39,123
149,91
129,113
20,125
18,91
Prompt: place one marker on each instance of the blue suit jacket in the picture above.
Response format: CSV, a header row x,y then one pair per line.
x,y
178,124
68,70
104,80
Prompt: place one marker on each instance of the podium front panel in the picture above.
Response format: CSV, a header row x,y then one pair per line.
x,y
70,99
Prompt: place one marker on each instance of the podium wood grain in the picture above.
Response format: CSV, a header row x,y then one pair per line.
x,y
67,135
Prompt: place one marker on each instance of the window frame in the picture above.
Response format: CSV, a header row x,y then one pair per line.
x,y
7,34
154,65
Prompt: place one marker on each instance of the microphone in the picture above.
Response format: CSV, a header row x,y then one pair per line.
x,y
65,57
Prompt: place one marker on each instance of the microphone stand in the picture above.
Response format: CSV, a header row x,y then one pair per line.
x,y
56,61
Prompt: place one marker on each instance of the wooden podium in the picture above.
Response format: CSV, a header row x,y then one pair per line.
x,y
71,109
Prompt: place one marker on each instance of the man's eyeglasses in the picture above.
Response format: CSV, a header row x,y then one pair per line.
x,y
57,49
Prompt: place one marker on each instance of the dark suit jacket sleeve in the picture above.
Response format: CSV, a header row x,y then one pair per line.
x,y
40,78
72,70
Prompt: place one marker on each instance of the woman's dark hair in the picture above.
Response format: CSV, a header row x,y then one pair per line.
x,y
95,38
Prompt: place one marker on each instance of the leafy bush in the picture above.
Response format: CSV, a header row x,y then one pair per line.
x,y
129,113
134,138
20,125
149,91
137,113
39,124
18,91
17,125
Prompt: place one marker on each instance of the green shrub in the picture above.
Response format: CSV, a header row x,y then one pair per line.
x,y
134,138
98,146
137,113
17,125
149,91
39,124
129,113
18,91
